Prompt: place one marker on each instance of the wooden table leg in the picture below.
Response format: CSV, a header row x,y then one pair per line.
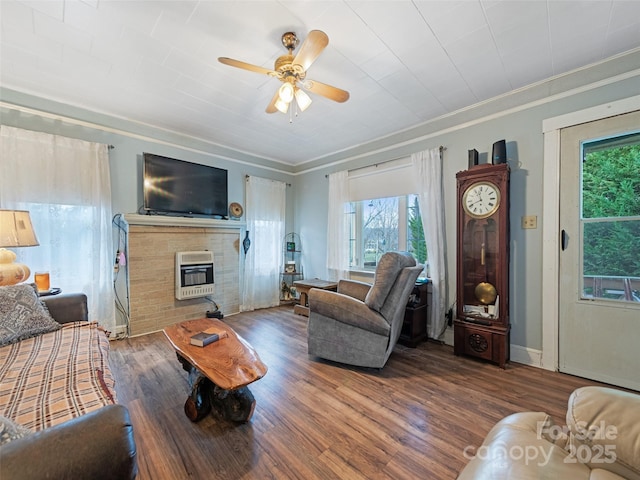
x,y
233,405
198,404
303,307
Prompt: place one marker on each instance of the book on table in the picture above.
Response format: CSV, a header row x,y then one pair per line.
x,y
205,338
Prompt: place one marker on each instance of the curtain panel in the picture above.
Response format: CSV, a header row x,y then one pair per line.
x,y
65,185
337,226
265,216
427,167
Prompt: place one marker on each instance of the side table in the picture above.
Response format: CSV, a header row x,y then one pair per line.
x,y
303,286
414,328
51,291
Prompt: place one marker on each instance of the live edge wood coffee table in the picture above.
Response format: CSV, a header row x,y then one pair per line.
x,y
218,373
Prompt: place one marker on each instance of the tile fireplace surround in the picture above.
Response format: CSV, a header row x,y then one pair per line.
x,y
153,241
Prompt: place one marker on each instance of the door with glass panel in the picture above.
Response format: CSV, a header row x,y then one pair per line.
x,y
599,318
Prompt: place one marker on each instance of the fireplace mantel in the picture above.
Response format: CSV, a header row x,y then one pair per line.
x,y
171,221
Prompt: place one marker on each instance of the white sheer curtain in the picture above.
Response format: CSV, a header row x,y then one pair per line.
x,y
65,184
427,167
337,226
265,207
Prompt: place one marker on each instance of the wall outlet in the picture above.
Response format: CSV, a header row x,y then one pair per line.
x,y
449,316
530,221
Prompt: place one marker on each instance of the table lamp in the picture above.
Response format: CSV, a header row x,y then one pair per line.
x,y
16,230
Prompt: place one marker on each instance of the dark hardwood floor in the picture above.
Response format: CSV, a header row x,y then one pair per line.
x,y
319,420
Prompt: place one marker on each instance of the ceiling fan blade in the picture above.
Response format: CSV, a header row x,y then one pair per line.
x,y
247,66
311,48
332,93
271,108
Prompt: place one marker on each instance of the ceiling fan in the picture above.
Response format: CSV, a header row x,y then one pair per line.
x,y
292,72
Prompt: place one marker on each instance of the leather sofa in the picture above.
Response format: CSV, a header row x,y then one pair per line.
x,y
99,444
601,441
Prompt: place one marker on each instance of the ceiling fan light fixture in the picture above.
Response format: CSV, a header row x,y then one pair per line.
x,y
302,99
286,92
281,106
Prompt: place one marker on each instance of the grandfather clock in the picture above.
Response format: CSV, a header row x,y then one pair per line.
x,y
481,327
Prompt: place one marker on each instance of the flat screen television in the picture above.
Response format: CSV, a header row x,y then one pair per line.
x,y
177,187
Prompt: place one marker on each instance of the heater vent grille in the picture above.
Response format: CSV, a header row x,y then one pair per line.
x,y
196,257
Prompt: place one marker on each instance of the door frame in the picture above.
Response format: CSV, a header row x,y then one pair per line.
x,y
551,216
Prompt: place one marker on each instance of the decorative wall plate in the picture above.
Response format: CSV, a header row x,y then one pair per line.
x,y
235,210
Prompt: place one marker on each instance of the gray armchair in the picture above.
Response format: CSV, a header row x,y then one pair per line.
x,y
361,323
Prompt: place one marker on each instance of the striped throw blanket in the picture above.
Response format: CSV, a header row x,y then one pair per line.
x,y
51,378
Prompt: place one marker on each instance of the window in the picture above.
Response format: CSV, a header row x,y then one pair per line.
x,y
611,218
64,183
66,244
382,225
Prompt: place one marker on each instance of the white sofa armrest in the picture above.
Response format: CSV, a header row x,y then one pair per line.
x,y
604,426
517,447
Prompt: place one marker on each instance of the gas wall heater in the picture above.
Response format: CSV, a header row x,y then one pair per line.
x,y
194,274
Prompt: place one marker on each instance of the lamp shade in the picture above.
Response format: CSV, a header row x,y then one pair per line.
x,y
303,100
281,106
16,229
286,92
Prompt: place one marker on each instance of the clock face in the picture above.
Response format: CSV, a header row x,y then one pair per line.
x,y
481,200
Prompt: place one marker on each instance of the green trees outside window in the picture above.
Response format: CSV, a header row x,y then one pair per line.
x,y
418,246
611,198
381,225
611,218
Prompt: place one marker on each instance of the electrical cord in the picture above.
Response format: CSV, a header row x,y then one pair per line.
x,y
216,307
216,313
121,249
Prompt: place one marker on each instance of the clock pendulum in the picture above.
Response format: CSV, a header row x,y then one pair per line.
x,y
485,292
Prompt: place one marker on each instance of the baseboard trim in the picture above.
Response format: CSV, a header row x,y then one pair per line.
x,y
120,331
448,336
526,356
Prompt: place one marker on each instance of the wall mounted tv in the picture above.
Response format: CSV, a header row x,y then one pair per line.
x,y
177,187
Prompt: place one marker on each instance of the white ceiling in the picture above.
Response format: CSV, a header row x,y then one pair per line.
x,y
403,62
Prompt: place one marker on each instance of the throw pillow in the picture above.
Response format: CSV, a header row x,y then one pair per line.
x,y
10,431
22,314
